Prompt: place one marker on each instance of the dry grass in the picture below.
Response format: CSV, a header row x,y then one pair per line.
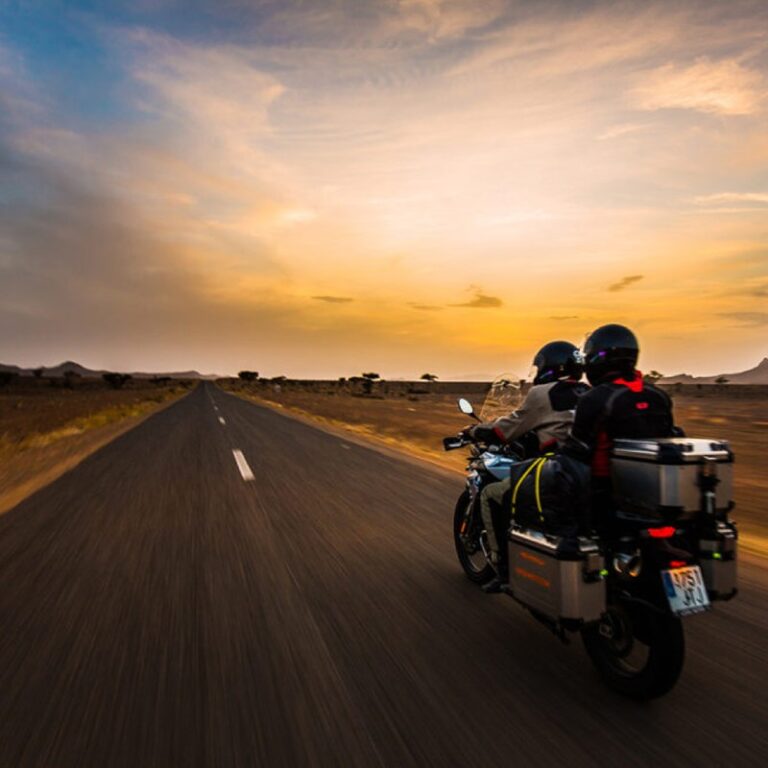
x,y
46,430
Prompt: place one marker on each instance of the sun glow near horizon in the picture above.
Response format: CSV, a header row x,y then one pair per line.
x,y
398,185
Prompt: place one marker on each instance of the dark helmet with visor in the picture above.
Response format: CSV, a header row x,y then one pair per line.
x,y
557,360
610,352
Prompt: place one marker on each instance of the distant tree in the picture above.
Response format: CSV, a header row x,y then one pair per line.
x,y
368,381
428,377
342,380
722,380
70,377
160,380
279,379
38,372
248,375
653,376
6,377
117,380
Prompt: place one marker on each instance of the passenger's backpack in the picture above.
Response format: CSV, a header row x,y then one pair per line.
x,y
551,494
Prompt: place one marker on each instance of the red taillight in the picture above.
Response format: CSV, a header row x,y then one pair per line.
x,y
664,532
677,563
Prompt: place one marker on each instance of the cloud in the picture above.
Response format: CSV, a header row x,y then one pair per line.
x,y
481,301
334,299
732,197
747,319
622,129
561,318
723,87
426,307
446,19
624,283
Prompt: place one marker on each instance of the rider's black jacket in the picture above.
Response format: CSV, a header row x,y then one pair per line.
x,y
620,408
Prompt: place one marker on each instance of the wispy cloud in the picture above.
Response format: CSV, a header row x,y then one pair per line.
x,y
426,307
625,282
747,319
623,129
725,87
732,197
561,318
481,301
334,299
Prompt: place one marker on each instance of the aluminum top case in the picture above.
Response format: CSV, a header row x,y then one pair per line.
x,y
662,478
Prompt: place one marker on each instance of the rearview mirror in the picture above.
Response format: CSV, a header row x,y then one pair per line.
x,y
466,407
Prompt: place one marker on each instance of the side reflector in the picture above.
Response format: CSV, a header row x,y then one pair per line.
x,y
677,563
665,532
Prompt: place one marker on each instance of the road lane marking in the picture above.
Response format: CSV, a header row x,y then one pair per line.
x,y
242,465
221,420
345,446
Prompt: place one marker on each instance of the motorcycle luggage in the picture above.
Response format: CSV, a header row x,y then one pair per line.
x,y
717,558
557,576
550,493
661,478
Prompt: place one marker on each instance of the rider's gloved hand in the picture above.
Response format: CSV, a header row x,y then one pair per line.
x,y
468,432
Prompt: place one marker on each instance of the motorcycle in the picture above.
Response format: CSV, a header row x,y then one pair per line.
x,y
668,550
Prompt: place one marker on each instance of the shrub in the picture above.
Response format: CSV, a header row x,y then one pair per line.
x,y
6,377
116,380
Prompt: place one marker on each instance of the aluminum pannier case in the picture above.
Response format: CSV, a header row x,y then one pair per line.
x,y
717,552
661,478
559,577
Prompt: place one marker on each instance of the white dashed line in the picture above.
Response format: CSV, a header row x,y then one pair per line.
x,y
242,465
345,446
221,420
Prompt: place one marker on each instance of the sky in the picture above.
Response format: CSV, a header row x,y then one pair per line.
x,y
317,188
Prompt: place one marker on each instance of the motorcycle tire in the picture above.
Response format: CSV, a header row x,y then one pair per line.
x,y
477,570
635,624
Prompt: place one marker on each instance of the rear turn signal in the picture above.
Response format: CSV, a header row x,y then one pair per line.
x,y
677,563
665,532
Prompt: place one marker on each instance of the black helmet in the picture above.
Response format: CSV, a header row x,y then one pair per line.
x,y
610,352
557,360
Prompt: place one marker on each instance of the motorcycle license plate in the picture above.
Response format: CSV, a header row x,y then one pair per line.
x,y
685,590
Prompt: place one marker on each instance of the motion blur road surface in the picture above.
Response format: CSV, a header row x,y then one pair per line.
x,y
157,609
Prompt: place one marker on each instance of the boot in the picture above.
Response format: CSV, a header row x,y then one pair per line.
x,y
500,582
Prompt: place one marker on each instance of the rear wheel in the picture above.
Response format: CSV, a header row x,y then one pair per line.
x,y
639,652
467,531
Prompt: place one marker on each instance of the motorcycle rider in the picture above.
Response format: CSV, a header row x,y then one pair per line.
x,y
544,420
620,404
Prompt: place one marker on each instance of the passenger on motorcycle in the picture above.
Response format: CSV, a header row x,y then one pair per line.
x,y
619,405
543,422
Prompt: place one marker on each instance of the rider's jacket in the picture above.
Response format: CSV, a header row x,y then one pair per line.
x,y
547,412
620,408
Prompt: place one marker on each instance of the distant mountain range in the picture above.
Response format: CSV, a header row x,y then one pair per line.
x,y
80,370
756,375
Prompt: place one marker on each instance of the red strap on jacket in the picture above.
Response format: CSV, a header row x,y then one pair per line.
x,y
601,459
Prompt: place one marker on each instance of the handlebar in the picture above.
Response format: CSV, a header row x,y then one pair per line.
x,y
453,443
461,441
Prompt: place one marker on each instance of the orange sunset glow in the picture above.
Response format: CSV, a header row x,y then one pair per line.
x,y
314,189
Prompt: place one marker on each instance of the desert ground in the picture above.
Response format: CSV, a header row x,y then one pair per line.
x,y
48,425
415,417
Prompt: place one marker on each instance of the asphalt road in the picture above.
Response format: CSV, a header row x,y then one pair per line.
x,y
157,609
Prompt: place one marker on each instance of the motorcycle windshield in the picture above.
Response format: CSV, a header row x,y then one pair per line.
x,y
504,397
